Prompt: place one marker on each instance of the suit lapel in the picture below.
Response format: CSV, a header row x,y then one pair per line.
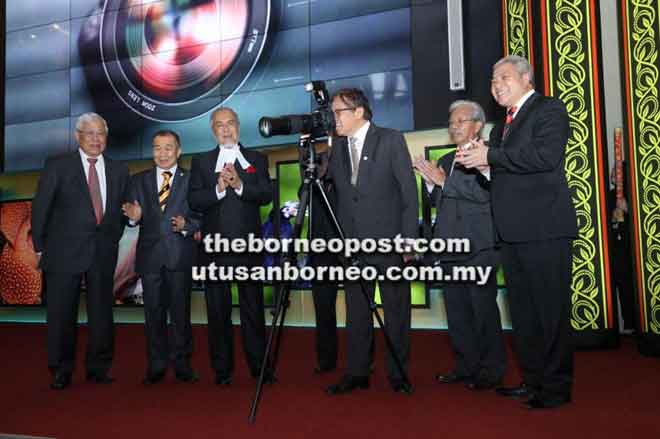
x,y
152,189
174,190
109,184
520,117
81,180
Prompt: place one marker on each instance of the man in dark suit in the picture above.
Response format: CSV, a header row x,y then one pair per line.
x,y
157,201
227,185
376,198
462,199
76,226
526,159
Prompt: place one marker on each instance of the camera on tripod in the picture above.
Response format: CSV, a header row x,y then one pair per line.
x,y
317,124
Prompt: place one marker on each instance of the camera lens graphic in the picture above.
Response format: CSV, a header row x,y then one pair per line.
x,y
174,60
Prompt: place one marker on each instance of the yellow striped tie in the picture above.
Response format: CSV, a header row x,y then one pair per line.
x,y
164,191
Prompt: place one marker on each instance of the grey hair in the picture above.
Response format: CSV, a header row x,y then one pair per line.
x,y
478,114
219,109
89,118
521,64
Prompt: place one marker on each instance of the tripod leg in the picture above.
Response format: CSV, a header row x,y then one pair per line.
x,y
275,333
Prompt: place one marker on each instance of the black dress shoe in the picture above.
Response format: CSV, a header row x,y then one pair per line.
x,y
153,378
522,391
536,403
99,378
222,379
319,370
400,386
481,384
187,376
347,384
451,377
60,381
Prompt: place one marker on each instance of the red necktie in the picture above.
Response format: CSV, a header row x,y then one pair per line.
x,y
95,190
507,122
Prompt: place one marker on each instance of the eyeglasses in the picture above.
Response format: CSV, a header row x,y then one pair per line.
x,y
92,134
339,110
459,122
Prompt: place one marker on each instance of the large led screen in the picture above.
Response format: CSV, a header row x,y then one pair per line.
x,y
146,65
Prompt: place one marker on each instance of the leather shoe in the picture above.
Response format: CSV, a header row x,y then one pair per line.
x,y
99,378
153,378
319,370
347,384
535,403
480,384
222,379
187,376
400,386
61,381
450,378
522,391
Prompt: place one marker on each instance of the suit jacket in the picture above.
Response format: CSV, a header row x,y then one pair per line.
x,y
529,192
384,202
63,222
463,209
158,245
233,216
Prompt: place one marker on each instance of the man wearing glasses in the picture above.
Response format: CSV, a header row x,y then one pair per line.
x,y
376,198
76,226
462,199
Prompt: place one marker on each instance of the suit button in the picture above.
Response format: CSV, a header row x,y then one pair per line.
x,y
355,199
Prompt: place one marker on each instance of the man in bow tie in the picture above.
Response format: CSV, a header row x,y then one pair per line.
x,y
228,185
535,223
157,201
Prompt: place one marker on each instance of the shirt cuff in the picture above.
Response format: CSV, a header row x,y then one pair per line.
x,y
220,195
486,173
239,191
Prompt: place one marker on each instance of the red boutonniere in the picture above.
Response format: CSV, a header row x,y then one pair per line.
x,y
250,170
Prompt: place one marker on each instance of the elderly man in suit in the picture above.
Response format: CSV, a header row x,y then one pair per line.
x,y
76,226
526,159
376,198
157,201
228,185
462,199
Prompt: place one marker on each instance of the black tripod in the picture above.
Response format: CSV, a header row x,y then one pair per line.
x,y
310,181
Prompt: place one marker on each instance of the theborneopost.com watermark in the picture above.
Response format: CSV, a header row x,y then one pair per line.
x,y
287,272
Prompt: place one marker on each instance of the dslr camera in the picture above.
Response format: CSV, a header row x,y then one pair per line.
x,y
317,124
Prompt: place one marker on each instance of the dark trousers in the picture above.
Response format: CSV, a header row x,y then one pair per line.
x,y
360,330
538,279
167,291
325,310
622,272
474,323
62,300
221,334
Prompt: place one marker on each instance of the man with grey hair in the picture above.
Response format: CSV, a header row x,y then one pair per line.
x,y
228,185
526,159
76,226
462,199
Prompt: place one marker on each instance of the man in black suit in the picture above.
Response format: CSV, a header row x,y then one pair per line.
x,y
536,223
76,226
462,199
228,185
376,198
157,201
